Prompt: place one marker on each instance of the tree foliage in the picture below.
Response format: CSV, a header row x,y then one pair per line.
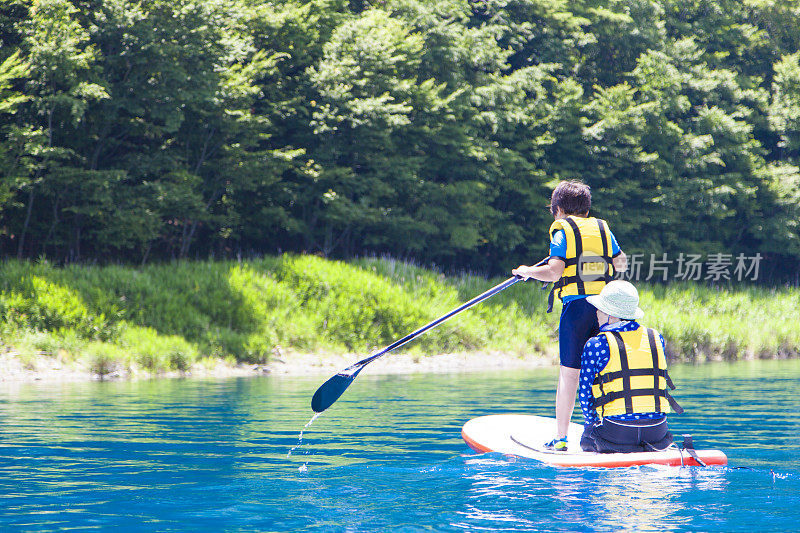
x,y
145,130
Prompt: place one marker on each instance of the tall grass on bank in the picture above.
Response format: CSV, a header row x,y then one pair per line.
x,y
168,317
724,322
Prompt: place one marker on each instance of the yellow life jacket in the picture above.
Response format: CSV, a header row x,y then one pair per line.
x,y
635,379
588,264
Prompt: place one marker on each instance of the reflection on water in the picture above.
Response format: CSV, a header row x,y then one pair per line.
x,y
224,455
515,495
649,497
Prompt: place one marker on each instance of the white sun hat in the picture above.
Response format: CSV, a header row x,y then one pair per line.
x,y
618,298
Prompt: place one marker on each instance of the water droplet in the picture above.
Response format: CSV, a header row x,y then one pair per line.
x,y
300,440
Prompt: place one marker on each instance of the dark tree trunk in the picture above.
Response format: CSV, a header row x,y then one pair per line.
x,y
21,244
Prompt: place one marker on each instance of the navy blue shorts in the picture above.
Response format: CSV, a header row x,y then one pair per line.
x,y
578,324
625,437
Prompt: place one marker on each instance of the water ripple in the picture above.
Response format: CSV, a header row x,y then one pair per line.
x,y
215,455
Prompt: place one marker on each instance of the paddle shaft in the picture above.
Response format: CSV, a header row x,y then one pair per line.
x,y
331,390
481,297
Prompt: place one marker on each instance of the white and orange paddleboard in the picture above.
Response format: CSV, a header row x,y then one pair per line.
x,y
525,435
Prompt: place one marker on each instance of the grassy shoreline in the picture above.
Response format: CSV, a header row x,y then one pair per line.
x,y
178,317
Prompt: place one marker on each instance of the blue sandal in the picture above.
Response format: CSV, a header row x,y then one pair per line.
x,y
558,445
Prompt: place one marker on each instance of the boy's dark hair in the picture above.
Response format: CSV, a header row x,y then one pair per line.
x,y
572,196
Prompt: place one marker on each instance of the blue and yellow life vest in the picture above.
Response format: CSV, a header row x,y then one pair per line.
x,y
588,264
635,379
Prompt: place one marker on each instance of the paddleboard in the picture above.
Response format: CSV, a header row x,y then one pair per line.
x,y
525,435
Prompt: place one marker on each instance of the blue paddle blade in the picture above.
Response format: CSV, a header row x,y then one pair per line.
x,y
330,391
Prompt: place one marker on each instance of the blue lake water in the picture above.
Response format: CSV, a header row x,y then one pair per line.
x,y
211,455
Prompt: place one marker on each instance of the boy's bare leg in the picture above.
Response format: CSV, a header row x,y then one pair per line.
x,y
565,397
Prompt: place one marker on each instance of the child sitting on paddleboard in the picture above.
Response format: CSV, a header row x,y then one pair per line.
x,y
584,255
624,379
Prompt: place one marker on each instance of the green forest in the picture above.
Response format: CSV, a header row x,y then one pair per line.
x,y
434,130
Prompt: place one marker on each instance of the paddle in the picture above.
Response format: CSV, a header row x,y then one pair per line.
x,y
331,390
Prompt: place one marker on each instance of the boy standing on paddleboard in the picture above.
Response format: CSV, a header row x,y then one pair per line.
x,y
624,379
584,255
